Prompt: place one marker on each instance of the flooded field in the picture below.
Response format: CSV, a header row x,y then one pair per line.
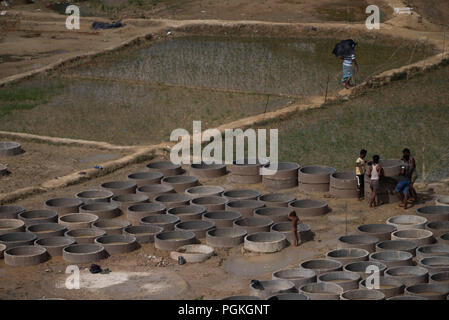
x,y
140,95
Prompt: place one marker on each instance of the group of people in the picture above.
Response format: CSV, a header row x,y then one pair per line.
x,y
404,187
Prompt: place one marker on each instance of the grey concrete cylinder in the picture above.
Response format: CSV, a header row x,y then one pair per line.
x,y
431,291
348,255
309,207
278,184
83,253
266,288
438,227
210,203
117,243
238,179
277,199
391,167
171,200
442,201
10,212
244,207
380,231
54,245
141,210
38,216
75,221
361,241
225,237
11,225
298,276
93,196
366,268
321,266
360,294
253,224
172,240
404,222
418,236
397,245
277,214
187,213
204,191
180,183
322,291
434,213
303,232
143,233
315,174
145,178
289,296
389,286
434,264
165,221
222,218
120,187
313,188
432,250
16,239
407,298
47,230
155,190
193,253
25,256
63,205
111,226
198,227
392,258
246,167
343,180
346,280
167,168
265,242
440,277
10,148
409,275
444,238
207,171
102,210
241,194
285,170
123,201
85,235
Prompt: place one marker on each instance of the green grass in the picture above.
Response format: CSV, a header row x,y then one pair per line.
x,y
411,114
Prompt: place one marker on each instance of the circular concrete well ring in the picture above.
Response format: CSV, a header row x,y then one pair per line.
x,y
343,180
10,212
392,258
225,237
208,171
204,191
143,233
145,178
198,227
138,211
404,222
285,170
434,264
16,239
83,253
181,183
38,216
409,275
172,240
343,193
277,199
431,291
361,241
74,221
277,214
54,245
92,196
2,249
210,203
85,235
245,207
11,225
432,250
47,230
165,221
303,232
442,201
247,167
3,170
123,201
315,174
241,194
407,298
241,298
378,230
360,294
275,185
102,210
389,286
155,190
171,200
253,224
117,243
322,291
167,168
193,253
25,256
366,268
391,167
120,187
222,218
298,276
289,296
187,213
266,288
397,245
309,207
346,280
321,266
313,188
111,226
265,242
444,238
237,179
348,255
419,236
10,148
440,277
434,213
63,205
438,227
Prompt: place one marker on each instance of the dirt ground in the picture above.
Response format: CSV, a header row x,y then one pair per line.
x,y
139,275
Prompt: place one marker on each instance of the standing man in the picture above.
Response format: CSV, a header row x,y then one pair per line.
x,y
360,165
405,177
374,172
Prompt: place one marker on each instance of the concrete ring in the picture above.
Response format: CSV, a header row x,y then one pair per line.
x,y
187,213
277,199
225,237
145,178
117,243
83,253
11,225
167,168
54,245
74,221
85,235
120,187
204,191
208,171
25,256
16,239
10,148
210,203
10,212
172,240
253,224
93,196
315,174
143,233
222,218
180,183
102,210
47,230
111,226
265,242
165,221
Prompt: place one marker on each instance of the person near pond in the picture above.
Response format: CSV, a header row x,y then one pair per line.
x,y
405,178
295,221
360,165
374,172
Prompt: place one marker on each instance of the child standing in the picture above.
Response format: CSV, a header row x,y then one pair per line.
x,y
360,164
374,171
295,221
